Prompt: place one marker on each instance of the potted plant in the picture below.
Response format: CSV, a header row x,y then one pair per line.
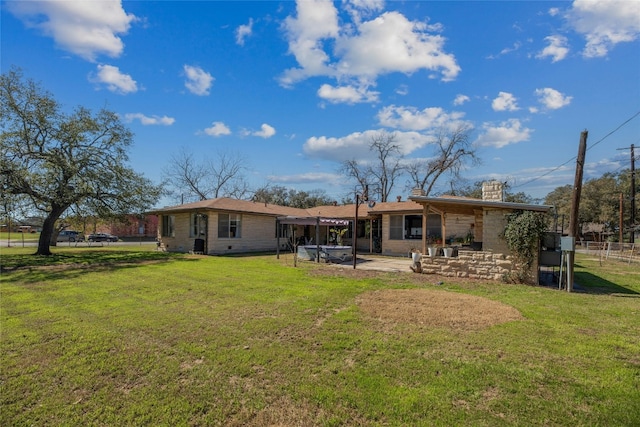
x,y
431,246
339,234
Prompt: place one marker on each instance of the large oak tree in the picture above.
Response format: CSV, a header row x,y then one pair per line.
x,y
59,159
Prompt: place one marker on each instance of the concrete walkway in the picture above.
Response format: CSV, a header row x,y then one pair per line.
x,y
378,263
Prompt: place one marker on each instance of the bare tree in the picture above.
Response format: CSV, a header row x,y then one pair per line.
x,y
356,171
201,179
381,175
453,150
225,171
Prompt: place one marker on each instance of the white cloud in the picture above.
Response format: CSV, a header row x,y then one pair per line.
x,y
516,46
554,11
114,79
147,121
316,21
356,145
506,133
402,90
346,94
391,43
359,9
552,99
410,118
198,81
265,131
217,129
362,49
84,28
461,99
505,102
244,31
507,50
605,23
557,48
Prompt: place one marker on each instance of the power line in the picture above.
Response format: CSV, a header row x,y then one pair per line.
x,y
574,157
624,165
615,130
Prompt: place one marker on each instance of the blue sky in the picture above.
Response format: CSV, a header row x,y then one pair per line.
x,y
295,88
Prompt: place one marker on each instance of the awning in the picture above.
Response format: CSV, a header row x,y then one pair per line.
x,y
302,220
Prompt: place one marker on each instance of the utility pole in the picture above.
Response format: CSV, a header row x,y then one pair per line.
x,y
632,205
633,195
575,205
621,223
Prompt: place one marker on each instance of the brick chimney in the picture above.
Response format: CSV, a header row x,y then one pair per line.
x,y
399,198
418,192
493,191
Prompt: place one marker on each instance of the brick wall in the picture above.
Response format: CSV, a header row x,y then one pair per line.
x,y
131,227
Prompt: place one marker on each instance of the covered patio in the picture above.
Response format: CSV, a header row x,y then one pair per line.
x,y
489,255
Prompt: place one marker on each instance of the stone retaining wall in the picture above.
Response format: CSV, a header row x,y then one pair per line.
x,y
471,264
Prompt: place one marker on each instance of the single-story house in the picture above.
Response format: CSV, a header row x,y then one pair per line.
x,y
472,226
222,226
225,226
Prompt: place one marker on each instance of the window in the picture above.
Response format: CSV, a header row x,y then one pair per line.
x,y
282,230
198,225
410,227
168,227
229,225
396,229
413,226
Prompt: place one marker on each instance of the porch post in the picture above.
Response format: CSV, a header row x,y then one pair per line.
x,y
425,216
277,238
318,239
443,224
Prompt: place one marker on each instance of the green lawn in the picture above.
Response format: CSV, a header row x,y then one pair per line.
x,y
17,238
124,336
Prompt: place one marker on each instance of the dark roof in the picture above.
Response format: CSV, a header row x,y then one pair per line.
x,y
233,205
449,204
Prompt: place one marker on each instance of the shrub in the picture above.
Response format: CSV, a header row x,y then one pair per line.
x,y
522,233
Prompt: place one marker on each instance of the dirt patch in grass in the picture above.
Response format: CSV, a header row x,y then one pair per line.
x,y
435,308
389,277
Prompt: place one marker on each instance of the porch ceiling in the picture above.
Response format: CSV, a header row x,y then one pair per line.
x,y
466,206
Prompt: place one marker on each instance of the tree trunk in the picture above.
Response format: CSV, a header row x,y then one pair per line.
x,y
46,235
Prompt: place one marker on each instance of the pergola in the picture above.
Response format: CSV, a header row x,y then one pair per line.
x,y
315,221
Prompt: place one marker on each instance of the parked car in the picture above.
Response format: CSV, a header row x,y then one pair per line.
x,y
70,236
102,237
